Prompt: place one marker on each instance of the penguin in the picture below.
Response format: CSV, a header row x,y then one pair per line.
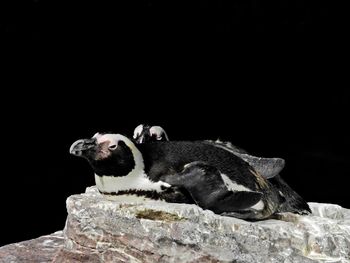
x,y
269,168
179,172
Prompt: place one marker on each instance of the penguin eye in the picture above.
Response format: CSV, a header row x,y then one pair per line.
x,y
112,147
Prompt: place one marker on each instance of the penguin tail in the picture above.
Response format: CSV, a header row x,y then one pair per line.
x,y
290,200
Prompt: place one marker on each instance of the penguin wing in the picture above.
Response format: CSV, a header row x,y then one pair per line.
x,y
208,189
267,167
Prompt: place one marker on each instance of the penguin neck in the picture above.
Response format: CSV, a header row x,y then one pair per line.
x,y
139,162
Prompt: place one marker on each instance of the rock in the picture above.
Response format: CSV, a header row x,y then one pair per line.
x,y
42,249
102,230
99,230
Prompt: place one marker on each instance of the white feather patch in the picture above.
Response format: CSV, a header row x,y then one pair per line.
x,y
138,131
159,132
132,181
259,206
232,185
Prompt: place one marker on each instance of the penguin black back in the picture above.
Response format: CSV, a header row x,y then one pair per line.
x,y
171,156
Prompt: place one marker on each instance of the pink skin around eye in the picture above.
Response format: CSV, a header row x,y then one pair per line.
x,y
103,151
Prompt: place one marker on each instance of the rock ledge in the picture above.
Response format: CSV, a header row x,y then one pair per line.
x,y
99,230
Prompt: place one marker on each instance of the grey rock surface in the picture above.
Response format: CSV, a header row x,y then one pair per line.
x,y
42,249
101,230
112,231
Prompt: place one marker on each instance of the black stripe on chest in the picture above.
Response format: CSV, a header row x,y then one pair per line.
x,y
171,195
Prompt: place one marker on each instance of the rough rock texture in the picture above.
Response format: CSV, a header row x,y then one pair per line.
x,y
98,230
42,249
101,230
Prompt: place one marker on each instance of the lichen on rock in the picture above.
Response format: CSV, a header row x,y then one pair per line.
x,y
158,215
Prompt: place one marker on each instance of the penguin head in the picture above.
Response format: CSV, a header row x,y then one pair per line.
x,y
109,154
146,133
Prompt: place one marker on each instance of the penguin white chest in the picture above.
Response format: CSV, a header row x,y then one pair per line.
x,y
133,181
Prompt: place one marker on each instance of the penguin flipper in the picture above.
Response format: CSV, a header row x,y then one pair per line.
x,y
229,201
267,167
207,188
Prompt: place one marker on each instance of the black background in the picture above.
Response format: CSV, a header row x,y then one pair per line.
x,y
268,77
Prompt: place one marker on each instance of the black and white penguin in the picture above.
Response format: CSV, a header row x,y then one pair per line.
x,y
269,168
184,172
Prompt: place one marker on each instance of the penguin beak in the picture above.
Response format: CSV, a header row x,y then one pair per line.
x,y
81,147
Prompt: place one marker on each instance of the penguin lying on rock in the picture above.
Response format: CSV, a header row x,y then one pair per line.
x,y
269,168
182,172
